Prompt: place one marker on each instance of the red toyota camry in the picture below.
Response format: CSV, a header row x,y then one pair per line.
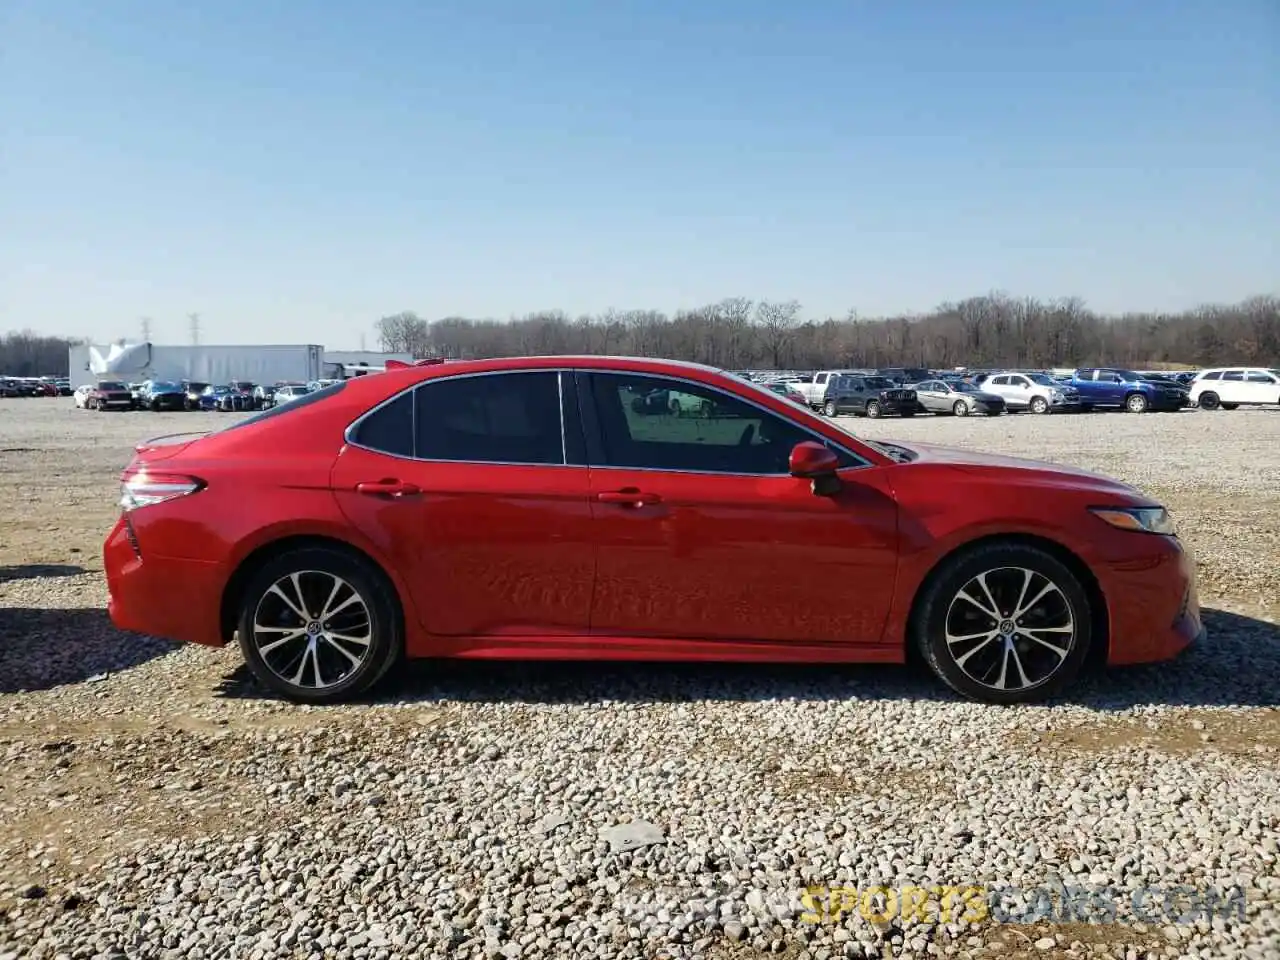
x,y
627,509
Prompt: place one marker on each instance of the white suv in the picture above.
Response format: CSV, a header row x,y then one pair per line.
x,y
1037,392
1229,387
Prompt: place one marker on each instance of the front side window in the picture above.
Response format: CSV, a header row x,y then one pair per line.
x,y
1216,375
494,418
1257,376
689,427
1000,381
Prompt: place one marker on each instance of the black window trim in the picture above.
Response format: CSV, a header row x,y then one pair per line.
x,y
587,420
412,389
591,426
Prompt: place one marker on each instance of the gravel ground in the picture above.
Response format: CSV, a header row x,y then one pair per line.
x,y
155,804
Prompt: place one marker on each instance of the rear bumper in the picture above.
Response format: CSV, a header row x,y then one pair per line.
x,y
162,596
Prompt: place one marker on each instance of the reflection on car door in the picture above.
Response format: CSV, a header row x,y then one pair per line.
x,y
703,535
483,510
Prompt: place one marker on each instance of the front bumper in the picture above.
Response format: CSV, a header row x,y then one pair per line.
x,y
1153,605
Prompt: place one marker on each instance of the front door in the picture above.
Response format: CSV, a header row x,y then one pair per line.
x,y
463,485
704,535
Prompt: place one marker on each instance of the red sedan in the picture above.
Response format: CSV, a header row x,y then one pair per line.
x,y
530,508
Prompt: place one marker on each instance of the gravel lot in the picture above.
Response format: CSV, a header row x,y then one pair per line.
x,y
155,804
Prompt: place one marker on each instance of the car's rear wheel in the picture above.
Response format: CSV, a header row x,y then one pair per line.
x,y
318,625
829,408
1039,405
1004,623
960,409
1136,403
873,409
1209,400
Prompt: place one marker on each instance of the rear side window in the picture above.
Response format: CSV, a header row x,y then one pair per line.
x,y
292,406
494,418
387,429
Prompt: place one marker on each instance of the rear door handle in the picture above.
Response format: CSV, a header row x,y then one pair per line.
x,y
387,488
629,496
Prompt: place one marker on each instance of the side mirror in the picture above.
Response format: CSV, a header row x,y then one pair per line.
x,y
816,463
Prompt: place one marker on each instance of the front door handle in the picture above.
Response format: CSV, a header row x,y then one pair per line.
x,y
387,488
628,497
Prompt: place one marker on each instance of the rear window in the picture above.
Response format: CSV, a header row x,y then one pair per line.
x,y
292,406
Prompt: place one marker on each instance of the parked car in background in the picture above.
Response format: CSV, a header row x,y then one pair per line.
x,y
244,390
957,397
287,392
218,396
1037,392
9,387
264,396
786,389
135,390
1120,389
327,538
815,388
163,395
111,395
1232,387
193,389
80,395
905,376
868,395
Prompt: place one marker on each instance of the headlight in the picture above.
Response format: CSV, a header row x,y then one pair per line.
x,y
1138,519
1056,394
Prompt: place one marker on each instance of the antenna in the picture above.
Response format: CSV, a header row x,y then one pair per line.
x,y
146,329
194,320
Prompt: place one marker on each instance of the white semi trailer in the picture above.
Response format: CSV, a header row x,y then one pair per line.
x,y
205,364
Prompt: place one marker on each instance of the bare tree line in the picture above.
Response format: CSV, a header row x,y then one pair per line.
x,y
985,331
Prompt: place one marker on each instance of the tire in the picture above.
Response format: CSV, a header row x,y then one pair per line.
x,y
1209,400
829,408
1136,403
1039,405
908,413
873,409
961,409
972,661
325,671
1086,408
155,406
1231,406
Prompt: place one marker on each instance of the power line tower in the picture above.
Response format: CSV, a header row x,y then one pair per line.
x,y
146,329
194,320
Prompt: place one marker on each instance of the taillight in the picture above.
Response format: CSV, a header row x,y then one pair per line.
x,y
146,489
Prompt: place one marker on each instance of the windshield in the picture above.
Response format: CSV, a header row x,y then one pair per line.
x,y
163,385
196,386
111,385
961,386
879,383
1043,379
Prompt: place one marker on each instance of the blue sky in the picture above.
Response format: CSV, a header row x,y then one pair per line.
x,y
294,170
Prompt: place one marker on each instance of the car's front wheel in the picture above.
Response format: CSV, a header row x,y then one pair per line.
x,y
961,409
873,409
318,625
1039,405
1004,623
829,408
1136,403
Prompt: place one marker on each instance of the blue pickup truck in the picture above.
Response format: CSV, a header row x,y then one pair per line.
x,y
1103,387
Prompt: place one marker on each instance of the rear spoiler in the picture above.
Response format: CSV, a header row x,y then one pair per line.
x,y
169,438
401,365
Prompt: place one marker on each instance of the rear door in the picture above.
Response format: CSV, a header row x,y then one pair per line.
x,y
1232,389
476,489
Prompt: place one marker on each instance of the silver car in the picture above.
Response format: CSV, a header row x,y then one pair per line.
x,y
957,397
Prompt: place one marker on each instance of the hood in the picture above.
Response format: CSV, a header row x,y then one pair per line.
x,y
977,462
